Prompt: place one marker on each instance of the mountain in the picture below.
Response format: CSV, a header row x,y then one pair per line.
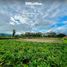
x,y
5,34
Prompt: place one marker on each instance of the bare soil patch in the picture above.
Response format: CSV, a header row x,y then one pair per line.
x,y
50,40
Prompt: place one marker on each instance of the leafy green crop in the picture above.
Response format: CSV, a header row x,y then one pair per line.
x,y
31,54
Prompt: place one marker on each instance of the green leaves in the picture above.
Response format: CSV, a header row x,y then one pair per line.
x,y
30,54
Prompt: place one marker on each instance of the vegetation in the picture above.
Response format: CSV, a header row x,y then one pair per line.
x,y
31,35
14,31
65,40
39,34
61,35
32,54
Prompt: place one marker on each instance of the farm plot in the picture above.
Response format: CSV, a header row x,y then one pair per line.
x,y
32,54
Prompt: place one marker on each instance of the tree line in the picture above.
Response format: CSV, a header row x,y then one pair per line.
x,y
37,34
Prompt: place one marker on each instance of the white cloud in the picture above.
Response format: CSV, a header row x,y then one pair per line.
x,y
55,13
18,19
12,19
12,23
54,6
60,29
35,17
33,3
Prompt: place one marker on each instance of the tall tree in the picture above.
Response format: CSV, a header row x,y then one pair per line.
x,y
14,31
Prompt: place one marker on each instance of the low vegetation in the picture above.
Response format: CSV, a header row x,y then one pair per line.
x,y
32,54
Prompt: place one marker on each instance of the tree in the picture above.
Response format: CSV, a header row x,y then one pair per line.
x,y
38,34
61,35
14,31
51,34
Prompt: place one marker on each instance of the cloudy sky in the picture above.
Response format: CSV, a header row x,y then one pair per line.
x,y
33,16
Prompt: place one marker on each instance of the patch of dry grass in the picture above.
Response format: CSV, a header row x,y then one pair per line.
x,y
50,40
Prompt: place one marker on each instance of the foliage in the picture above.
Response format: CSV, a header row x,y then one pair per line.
x,y
51,34
65,40
14,31
39,34
61,35
30,35
31,54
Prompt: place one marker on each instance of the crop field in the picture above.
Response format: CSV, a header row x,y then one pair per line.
x,y
15,53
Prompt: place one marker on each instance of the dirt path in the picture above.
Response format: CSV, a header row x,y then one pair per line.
x,y
50,40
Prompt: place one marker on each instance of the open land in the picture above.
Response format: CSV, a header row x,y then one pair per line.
x,y
33,53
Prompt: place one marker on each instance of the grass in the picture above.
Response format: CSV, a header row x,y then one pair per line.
x,y
65,40
32,54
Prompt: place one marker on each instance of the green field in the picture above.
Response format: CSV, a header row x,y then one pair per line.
x,y
32,54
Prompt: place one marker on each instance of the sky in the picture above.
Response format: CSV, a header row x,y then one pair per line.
x,y
33,16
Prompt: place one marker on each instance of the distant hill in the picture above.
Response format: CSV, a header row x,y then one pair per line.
x,y
5,34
